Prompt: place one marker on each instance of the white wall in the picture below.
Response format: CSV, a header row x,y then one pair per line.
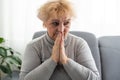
x,y
1,19
100,17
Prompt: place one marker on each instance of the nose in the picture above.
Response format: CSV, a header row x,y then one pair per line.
x,y
61,28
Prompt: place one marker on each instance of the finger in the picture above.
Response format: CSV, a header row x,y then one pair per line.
x,y
62,40
58,38
62,49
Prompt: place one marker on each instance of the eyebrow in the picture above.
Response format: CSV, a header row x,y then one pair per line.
x,y
55,20
58,20
68,20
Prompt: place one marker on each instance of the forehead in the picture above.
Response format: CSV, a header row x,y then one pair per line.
x,y
60,18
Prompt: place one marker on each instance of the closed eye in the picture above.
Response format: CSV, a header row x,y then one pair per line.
x,y
66,23
55,23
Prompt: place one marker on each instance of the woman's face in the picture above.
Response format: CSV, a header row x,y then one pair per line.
x,y
55,25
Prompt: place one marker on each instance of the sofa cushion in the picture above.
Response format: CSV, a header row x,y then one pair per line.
x,y
110,57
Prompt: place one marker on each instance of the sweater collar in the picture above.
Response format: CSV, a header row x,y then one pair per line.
x,y
51,41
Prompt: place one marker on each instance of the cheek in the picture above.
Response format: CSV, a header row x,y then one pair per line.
x,y
67,27
66,31
51,31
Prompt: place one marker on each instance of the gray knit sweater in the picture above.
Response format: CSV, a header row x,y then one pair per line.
x,y
38,65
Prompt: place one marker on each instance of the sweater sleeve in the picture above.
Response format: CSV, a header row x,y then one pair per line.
x,y
33,69
84,67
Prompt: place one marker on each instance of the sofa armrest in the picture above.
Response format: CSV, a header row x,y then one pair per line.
x,y
110,57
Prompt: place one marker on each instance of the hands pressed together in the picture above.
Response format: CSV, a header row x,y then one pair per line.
x,y
58,51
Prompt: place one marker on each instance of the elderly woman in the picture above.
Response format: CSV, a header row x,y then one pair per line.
x,y
58,55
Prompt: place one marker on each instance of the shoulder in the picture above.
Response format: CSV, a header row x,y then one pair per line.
x,y
75,38
77,41
37,41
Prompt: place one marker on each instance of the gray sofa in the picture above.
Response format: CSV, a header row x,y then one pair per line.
x,y
105,50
